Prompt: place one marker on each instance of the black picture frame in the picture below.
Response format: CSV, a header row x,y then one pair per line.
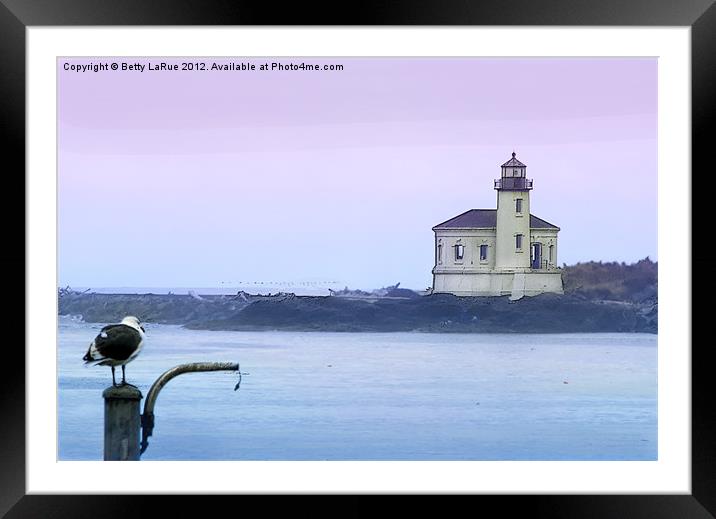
x,y
700,15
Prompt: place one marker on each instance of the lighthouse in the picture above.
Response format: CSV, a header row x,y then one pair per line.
x,y
503,251
513,216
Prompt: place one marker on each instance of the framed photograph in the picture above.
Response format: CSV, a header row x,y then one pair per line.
x,y
424,249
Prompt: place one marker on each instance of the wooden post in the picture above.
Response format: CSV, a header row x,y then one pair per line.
x,y
121,423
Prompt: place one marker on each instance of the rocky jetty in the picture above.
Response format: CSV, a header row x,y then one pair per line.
x,y
443,313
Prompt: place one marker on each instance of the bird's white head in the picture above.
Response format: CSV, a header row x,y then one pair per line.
x,y
132,321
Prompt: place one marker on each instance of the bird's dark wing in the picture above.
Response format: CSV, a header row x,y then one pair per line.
x,y
110,326
117,341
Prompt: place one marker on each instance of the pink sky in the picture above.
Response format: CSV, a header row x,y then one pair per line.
x,y
200,177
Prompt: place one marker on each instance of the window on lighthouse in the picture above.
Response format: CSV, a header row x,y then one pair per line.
x,y
518,205
518,241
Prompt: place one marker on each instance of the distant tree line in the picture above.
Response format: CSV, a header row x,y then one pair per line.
x,y
612,280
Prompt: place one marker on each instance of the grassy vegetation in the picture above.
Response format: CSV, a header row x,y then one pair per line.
x,y
612,281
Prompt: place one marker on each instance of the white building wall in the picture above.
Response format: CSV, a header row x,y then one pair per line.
x,y
547,237
471,239
471,277
543,281
473,284
514,284
509,225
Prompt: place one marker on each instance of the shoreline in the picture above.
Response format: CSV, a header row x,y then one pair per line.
x,y
437,313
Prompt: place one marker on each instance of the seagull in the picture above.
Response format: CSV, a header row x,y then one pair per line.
x,y
116,345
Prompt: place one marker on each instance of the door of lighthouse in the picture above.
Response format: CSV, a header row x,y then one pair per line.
x,y
536,255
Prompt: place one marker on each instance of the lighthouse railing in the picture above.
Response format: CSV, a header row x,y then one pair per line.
x,y
513,183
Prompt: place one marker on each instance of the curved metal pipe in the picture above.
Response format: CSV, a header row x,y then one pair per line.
x,y
194,367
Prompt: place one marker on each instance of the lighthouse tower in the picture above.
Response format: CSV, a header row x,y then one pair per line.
x,y
512,247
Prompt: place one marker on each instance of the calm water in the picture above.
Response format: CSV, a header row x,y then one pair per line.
x,y
392,396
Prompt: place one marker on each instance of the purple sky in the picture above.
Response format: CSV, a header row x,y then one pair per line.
x,y
198,178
